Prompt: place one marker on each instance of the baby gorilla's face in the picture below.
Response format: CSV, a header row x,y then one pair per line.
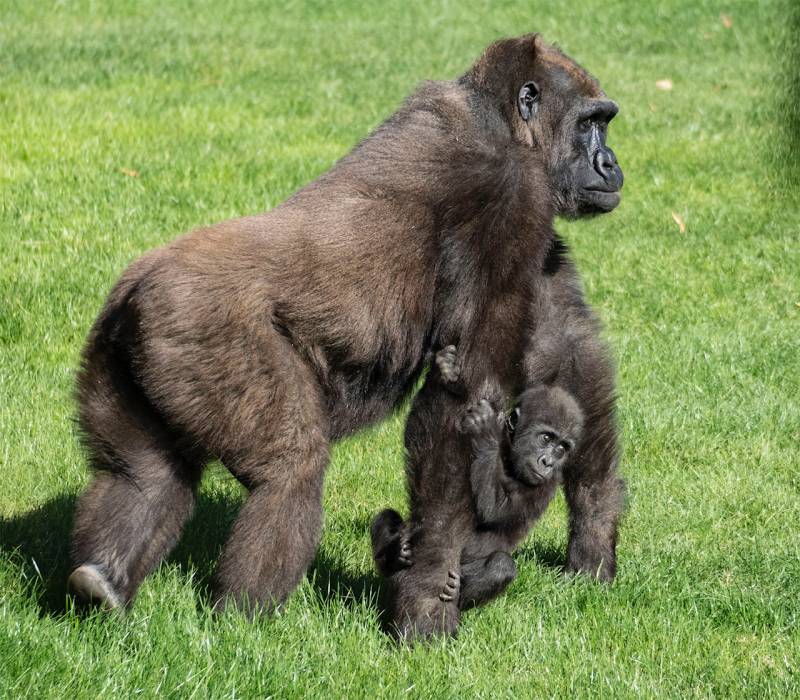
x,y
545,429
539,451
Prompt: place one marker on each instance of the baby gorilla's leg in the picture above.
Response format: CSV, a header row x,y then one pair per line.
x,y
480,581
484,579
391,549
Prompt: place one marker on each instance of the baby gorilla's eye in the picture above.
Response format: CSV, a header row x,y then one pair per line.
x,y
544,438
560,451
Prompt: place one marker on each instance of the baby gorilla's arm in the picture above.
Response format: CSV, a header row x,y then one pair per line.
x,y
495,494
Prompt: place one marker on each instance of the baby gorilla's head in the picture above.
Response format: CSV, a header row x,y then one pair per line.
x,y
546,427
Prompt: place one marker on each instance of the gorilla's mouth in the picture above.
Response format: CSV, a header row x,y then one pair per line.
x,y
602,200
530,477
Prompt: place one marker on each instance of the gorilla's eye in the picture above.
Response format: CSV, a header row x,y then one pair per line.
x,y
585,125
528,100
559,451
545,438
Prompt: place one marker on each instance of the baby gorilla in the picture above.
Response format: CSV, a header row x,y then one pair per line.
x,y
517,462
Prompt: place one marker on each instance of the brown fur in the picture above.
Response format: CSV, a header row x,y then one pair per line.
x,y
261,340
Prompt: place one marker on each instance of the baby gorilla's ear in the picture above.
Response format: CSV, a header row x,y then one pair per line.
x,y
511,420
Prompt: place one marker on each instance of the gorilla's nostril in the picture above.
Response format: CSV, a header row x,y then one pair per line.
x,y
605,164
604,160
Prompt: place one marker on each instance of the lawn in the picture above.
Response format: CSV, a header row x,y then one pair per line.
x,y
125,123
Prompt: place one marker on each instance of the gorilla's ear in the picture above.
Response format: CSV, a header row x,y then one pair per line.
x,y
528,100
511,420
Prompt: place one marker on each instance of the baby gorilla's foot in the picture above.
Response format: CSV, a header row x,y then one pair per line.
x,y
446,362
452,588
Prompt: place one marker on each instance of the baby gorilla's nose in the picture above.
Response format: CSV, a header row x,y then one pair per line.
x,y
544,465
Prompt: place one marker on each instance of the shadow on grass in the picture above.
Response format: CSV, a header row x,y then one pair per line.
x,y
38,544
335,585
543,554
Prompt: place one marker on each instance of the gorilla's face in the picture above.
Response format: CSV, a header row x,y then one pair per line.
x,y
590,179
544,428
567,115
539,452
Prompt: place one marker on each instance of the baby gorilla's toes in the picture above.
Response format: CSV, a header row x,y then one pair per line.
x,y
452,588
446,363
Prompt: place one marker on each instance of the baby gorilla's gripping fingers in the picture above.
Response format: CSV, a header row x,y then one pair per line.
x,y
446,363
391,542
404,555
481,420
452,588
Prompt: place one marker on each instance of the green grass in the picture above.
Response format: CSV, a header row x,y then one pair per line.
x,y
225,110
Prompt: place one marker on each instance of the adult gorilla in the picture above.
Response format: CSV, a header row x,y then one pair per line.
x,y
260,340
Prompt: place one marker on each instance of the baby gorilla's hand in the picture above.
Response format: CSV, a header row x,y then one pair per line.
x,y
481,420
446,363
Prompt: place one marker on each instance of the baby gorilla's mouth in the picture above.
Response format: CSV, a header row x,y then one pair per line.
x,y
530,476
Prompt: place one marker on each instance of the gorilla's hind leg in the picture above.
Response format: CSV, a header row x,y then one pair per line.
x,y
273,541
142,492
279,449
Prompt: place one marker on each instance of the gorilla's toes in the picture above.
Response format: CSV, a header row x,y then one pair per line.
x,y
452,588
446,361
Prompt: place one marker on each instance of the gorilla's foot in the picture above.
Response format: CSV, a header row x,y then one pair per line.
x,y
88,584
431,619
